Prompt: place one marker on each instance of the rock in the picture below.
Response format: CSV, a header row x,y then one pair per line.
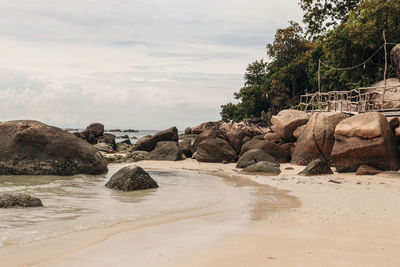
x,y
131,178
34,148
204,126
288,147
138,155
185,146
114,130
123,136
280,154
108,139
365,139
320,122
210,133
236,138
393,122
130,131
188,130
149,144
115,158
272,137
104,147
395,59
391,96
93,132
317,167
287,121
367,170
122,146
264,167
253,156
215,150
258,137
19,200
167,151
298,131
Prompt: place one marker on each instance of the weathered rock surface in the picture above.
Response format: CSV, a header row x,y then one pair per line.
x,y
236,137
131,178
149,144
210,133
264,167
188,130
367,170
19,200
215,150
138,156
306,150
34,148
185,146
391,97
253,156
93,132
272,137
365,139
104,147
287,121
280,154
108,139
395,59
317,167
167,151
298,131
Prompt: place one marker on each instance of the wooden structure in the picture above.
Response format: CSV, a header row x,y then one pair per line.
x,y
384,99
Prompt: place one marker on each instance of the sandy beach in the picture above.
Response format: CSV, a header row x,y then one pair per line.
x,y
333,220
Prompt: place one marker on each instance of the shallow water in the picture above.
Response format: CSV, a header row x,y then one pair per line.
x,y
83,202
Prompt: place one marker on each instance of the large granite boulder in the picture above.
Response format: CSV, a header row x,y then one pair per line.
x,y
215,150
279,153
321,125
19,200
365,139
131,178
263,167
93,132
103,147
236,137
149,144
34,148
107,138
167,151
317,167
287,121
210,133
204,126
367,170
253,156
395,59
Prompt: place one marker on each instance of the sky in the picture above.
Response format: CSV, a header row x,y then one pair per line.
x,y
141,64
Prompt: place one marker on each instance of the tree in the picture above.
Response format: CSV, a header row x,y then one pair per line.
x,y
322,15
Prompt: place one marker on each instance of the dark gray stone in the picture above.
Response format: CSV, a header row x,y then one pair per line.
x,y
253,156
131,178
19,200
264,167
317,167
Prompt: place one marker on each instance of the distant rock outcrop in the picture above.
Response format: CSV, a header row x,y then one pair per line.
x,y
149,144
34,148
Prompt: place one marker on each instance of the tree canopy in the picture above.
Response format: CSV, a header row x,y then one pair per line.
x,y
340,34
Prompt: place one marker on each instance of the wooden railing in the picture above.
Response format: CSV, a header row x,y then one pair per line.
x,y
384,99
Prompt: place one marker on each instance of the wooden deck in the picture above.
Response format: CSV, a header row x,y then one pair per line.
x,y
384,99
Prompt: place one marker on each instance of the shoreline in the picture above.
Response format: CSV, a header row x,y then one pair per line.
x,y
318,222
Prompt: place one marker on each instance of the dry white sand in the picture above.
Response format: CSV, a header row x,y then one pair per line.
x,y
316,222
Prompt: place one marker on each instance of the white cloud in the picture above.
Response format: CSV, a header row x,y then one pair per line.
x,y
138,64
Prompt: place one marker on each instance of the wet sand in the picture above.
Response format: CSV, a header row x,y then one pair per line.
x,y
334,220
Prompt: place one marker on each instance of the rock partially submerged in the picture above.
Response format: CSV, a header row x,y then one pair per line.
x,y
131,178
19,200
263,167
34,148
317,167
253,156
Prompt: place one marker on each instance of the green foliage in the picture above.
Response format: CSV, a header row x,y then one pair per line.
x,y
340,33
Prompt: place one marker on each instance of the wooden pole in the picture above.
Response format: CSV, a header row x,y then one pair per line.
x,y
384,39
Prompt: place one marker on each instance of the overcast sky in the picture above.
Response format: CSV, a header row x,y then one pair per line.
x,y
144,64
